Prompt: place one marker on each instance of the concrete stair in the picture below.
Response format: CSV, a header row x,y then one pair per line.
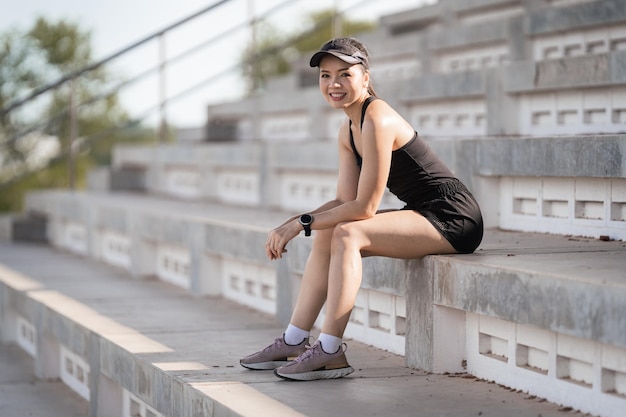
x,y
538,313
147,348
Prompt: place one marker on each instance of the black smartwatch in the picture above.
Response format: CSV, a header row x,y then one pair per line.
x,y
305,221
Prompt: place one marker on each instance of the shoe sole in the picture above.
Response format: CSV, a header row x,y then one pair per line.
x,y
314,375
264,366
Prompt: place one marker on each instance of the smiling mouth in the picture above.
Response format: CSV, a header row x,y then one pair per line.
x,y
337,96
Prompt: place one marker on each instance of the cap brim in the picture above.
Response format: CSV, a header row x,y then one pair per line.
x,y
317,58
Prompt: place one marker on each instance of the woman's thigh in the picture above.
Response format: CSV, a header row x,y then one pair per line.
x,y
396,234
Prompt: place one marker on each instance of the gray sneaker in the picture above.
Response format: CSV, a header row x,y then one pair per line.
x,y
277,354
316,364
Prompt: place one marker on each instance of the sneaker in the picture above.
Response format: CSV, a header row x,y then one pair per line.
x,y
316,364
277,354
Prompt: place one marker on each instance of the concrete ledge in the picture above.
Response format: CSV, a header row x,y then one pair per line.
x,y
599,70
460,36
570,287
578,156
576,16
445,86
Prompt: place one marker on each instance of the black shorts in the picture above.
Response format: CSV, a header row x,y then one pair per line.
x,y
456,214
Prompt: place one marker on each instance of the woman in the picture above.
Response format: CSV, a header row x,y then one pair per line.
x,y
377,149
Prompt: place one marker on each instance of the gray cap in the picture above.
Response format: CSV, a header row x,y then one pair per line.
x,y
346,52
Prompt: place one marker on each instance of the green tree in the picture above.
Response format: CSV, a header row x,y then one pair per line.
x,y
44,55
68,49
20,72
274,50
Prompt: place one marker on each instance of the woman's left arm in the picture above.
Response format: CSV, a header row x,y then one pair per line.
x,y
377,140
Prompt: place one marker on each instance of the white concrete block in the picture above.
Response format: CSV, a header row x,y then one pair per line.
x,y
380,311
115,249
238,187
380,302
210,282
360,309
173,263
449,339
26,337
473,58
397,69
614,358
74,237
575,348
183,182
301,191
74,372
249,284
534,337
133,406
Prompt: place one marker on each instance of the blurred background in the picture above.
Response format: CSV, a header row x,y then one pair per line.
x,y
141,66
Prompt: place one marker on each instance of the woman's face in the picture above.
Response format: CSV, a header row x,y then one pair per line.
x,y
342,84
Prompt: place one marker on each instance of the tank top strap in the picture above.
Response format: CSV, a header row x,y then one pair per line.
x,y
365,106
359,160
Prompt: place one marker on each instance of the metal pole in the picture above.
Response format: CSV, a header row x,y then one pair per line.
x,y
337,30
162,89
264,174
253,52
254,68
73,134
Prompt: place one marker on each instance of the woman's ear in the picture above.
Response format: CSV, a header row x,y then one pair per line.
x,y
366,79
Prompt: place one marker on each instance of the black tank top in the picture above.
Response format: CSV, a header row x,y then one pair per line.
x,y
416,175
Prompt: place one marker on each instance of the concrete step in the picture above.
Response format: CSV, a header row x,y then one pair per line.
x,y
151,346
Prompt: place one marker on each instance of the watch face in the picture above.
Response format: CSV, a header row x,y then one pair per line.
x,y
306,219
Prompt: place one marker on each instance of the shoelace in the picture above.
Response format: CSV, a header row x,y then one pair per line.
x,y
308,353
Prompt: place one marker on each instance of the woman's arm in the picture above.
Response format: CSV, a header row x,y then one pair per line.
x,y
360,193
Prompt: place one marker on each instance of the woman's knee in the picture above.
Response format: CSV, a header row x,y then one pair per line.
x,y
345,236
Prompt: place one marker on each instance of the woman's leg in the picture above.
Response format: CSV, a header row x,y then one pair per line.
x,y
314,284
402,234
311,298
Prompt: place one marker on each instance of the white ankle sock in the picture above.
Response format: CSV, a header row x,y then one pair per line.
x,y
295,335
330,343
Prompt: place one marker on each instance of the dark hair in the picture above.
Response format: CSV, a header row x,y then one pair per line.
x,y
350,50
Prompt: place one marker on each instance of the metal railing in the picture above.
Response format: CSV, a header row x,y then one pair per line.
x,y
71,112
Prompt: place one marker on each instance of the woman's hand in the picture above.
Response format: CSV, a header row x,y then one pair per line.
x,y
278,238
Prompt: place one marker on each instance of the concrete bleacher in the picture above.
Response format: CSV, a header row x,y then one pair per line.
x,y
525,101
524,310
146,348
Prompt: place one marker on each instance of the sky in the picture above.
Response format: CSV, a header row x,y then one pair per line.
x,y
116,24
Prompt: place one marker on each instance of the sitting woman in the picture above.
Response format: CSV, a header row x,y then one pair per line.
x,y
378,148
